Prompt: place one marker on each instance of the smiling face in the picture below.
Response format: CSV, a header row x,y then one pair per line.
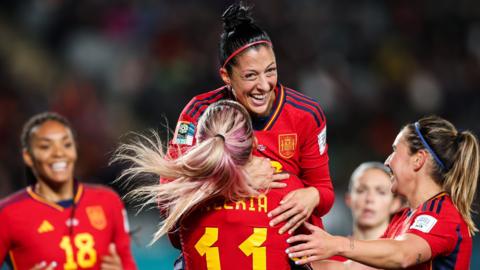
x,y
370,198
402,164
253,79
52,154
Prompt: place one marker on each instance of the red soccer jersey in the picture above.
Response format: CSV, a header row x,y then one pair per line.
x,y
441,225
33,230
236,236
294,135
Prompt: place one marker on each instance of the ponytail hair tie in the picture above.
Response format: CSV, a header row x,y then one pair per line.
x,y
220,136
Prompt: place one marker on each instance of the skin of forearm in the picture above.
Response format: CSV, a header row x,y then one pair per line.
x,y
383,253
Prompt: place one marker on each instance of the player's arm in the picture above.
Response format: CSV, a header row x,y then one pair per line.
x,y
315,168
184,134
122,244
177,146
317,197
4,237
329,265
411,249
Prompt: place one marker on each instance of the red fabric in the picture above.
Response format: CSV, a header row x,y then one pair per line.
x,y
293,114
235,223
32,230
449,239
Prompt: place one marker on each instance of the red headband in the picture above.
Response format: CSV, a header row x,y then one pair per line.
x,y
239,50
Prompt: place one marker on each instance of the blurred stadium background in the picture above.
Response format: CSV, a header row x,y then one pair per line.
x,y
117,66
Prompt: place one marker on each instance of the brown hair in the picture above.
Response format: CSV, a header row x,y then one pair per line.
x,y
455,159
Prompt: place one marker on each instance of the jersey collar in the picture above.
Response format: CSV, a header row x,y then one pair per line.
x,y
265,123
78,194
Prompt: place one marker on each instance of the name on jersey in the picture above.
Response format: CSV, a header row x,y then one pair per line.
x,y
253,204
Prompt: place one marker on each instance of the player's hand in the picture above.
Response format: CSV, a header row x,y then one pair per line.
x,y
295,208
44,266
262,174
111,261
313,247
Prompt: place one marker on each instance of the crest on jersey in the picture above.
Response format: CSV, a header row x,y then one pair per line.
x,y
287,143
184,133
97,217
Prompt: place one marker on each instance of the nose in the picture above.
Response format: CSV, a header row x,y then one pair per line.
x,y
263,84
369,197
58,151
387,161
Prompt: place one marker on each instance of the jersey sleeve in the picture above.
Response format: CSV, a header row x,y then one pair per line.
x,y
121,234
183,139
314,164
441,232
184,134
4,237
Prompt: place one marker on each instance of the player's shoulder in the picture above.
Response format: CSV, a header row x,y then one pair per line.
x,y
14,199
440,205
438,209
200,102
305,105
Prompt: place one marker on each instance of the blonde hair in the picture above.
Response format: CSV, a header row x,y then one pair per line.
x,y
456,160
365,166
210,169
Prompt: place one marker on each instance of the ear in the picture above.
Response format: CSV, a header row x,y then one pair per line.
x,y
348,200
419,159
27,158
224,75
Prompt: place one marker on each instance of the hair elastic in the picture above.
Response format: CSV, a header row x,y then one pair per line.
x,y
239,50
429,149
220,136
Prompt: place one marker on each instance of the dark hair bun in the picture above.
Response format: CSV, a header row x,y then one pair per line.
x,y
235,15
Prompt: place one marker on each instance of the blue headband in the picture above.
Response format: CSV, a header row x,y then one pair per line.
x,y
424,142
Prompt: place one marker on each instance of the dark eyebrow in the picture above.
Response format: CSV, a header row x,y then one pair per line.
x,y
270,65
64,138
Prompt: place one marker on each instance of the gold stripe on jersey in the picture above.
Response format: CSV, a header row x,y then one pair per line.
x,y
37,197
281,96
12,260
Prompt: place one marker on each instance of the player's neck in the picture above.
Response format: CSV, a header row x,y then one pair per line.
x,y
54,193
425,190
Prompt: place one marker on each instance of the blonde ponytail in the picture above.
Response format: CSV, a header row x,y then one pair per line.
x,y
461,181
210,169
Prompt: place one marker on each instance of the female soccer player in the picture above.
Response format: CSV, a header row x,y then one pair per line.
x,y
222,221
57,222
290,127
372,203
436,168
371,200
